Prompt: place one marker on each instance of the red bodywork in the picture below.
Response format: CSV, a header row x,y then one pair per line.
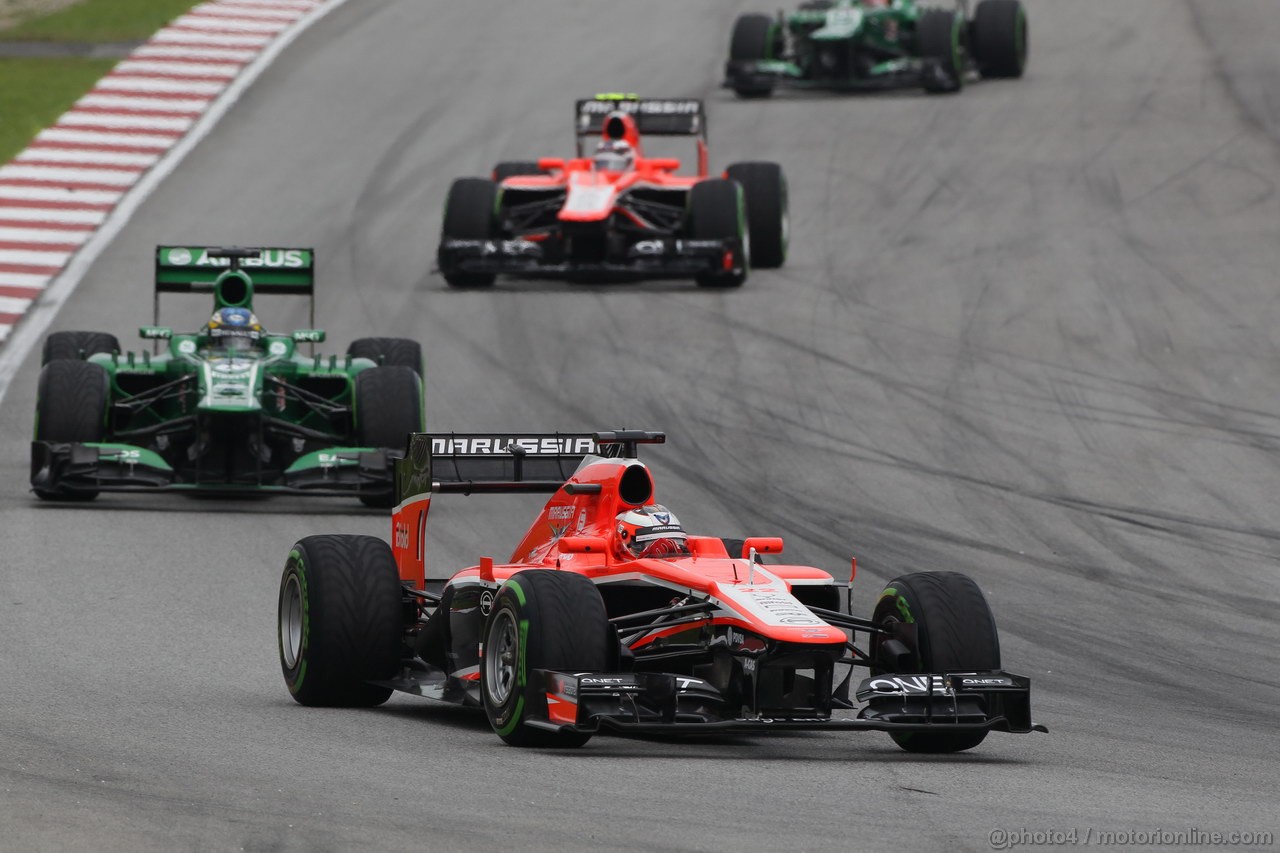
x,y
575,532
591,194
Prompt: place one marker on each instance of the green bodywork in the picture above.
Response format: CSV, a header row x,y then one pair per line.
x,y
197,414
848,44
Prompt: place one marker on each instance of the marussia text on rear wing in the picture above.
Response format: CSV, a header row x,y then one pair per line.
x,y
530,463
653,116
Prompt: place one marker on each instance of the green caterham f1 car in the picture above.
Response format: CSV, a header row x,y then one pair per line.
x,y
230,408
876,44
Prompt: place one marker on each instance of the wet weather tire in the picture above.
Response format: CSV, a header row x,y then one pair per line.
x,y
71,406
955,632
468,215
388,408
389,352
939,34
541,619
998,37
755,38
717,212
340,620
77,345
765,187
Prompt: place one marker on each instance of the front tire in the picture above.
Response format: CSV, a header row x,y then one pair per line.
x,y
339,620
77,345
756,38
469,214
541,619
389,352
999,38
513,169
955,632
940,38
765,187
388,408
71,406
717,211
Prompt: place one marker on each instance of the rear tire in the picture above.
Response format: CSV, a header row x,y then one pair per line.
x,y
469,215
389,352
999,38
755,38
388,408
77,345
71,406
541,619
717,211
939,34
765,188
955,632
515,168
339,620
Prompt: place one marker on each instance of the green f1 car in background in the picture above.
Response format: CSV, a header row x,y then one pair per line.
x,y
876,44
231,408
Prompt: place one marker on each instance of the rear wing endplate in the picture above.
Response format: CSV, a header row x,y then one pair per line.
x,y
196,269
504,463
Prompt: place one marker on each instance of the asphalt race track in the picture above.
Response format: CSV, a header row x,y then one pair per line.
x,y
1030,333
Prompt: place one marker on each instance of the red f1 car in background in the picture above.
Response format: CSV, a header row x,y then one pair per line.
x,y
608,616
615,214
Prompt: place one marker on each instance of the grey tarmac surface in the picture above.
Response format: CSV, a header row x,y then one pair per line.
x,y
1030,333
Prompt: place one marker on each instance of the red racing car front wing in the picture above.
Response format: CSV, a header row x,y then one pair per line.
x,y
661,703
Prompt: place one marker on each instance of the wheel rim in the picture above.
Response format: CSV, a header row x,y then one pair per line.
x,y
291,622
501,657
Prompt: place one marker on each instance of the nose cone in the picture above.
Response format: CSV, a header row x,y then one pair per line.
x,y
590,198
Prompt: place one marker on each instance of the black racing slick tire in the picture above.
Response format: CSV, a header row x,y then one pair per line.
x,y
389,352
717,211
469,214
77,345
765,187
515,168
940,40
388,408
541,619
71,406
340,620
755,38
954,632
998,38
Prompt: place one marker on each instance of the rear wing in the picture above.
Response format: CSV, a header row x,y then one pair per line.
x,y
487,463
200,269
504,463
653,116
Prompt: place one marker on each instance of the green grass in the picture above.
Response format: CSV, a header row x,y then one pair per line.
x,y
34,92
100,21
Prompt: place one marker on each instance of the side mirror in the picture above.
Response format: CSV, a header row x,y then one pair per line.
x,y
155,333
548,164
308,336
583,545
762,544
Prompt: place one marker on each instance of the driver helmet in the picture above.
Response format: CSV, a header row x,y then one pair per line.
x,y
233,329
615,155
651,531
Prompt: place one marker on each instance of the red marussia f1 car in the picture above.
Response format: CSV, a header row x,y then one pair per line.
x,y
615,214
575,634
